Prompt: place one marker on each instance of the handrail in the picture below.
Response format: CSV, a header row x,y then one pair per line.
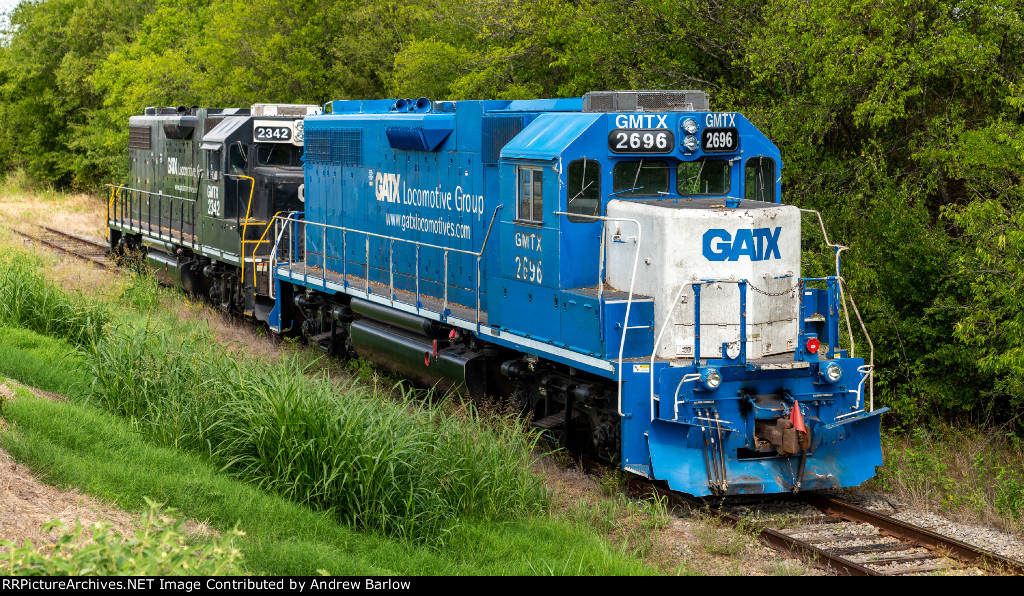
x,y
121,194
122,187
839,248
632,282
290,218
245,226
257,246
742,285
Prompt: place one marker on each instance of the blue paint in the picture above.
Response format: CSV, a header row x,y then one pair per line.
x,y
409,192
761,244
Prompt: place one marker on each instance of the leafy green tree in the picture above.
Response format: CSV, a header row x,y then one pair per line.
x,y
46,100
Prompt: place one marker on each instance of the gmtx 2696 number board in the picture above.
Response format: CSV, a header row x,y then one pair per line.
x,y
641,140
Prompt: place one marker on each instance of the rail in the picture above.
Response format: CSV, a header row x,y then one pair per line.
x,y
127,209
843,293
600,288
880,554
291,222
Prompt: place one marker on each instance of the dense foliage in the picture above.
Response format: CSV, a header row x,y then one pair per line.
x,y
900,121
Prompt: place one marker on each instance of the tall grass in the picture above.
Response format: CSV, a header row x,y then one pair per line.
x,y
408,470
28,300
970,473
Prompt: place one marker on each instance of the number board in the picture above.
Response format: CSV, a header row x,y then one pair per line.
x,y
272,132
719,140
641,140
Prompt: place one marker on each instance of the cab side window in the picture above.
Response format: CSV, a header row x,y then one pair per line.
x,y
239,158
530,189
759,179
640,178
583,189
213,165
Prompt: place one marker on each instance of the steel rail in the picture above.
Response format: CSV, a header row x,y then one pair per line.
x,y
832,507
97,260
916,535
818,557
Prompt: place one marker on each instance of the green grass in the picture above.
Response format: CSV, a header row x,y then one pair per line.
x,y
43,362
402,467
29,301
319,475
101,454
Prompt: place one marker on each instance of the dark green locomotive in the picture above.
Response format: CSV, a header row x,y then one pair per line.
x,y
204,185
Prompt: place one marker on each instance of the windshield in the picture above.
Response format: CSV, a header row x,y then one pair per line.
x,y
640,178
703,177
275,155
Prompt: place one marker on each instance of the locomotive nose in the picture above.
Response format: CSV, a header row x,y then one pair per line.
x,y
278,188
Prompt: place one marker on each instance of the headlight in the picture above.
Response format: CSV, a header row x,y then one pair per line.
x,y
711,378
832,372
690,143
690,126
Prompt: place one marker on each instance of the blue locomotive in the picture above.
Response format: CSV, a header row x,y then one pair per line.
x,y
619,265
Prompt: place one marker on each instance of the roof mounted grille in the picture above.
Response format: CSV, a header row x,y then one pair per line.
x,y
645,101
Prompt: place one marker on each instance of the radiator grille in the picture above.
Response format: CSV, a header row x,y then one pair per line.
x,y
497,132
334,146
140,137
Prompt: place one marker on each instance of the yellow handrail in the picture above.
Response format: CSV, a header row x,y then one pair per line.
x,y
255,248
245,224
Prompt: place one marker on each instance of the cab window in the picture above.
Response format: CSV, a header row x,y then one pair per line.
x,y
275,155
213,165
583,189
530,203
703,177
759,179
640,178
238,158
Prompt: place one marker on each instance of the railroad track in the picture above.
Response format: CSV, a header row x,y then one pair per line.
x,y
845,539
86,250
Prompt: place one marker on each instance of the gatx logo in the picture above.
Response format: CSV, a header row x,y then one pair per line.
x,y
757,245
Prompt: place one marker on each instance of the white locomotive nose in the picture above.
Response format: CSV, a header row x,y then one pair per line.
x,y
699,241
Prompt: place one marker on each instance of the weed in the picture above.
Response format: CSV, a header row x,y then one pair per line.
x,y
158,548
28,300
383,462
970,474
715,539
142,291
612,481
785,569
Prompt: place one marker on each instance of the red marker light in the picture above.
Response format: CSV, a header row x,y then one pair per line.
x,y
812,345
452,335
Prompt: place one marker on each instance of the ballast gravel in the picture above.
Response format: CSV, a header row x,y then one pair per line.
x,y
990,539
797,514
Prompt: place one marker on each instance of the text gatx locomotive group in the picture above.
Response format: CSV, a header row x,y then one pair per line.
x,y
620,265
